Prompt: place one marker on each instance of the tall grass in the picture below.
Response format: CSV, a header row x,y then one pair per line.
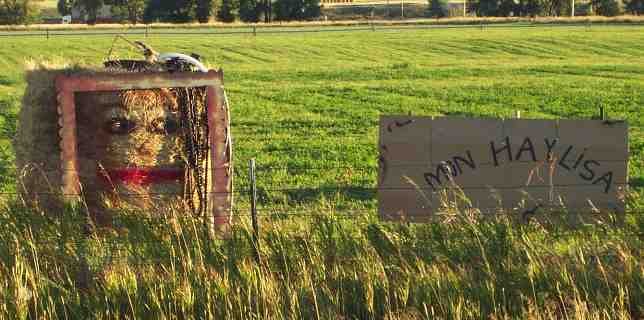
x,y
324,267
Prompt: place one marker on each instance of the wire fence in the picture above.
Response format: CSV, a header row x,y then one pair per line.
x,y
258,30
285,193
138,250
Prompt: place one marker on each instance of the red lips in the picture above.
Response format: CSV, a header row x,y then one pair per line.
x,y
140,176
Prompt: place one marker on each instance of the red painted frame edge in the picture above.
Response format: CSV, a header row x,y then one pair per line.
x,y
218,123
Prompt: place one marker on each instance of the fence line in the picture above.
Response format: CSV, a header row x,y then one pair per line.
x,y
243,169
259,30
311,188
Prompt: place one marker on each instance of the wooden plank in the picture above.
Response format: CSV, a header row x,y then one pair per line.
x,y
496,164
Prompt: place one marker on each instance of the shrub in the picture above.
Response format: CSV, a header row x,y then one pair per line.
x,y
438,9
507,8
486,8
203,10
530,7
287,10
228,10
17,12
130,10
250,10
64,7
635,7
608,8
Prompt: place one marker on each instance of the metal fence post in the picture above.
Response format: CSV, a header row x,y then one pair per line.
x,y
253,206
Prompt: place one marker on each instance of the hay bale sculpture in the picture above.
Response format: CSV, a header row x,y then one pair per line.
x,y
145,134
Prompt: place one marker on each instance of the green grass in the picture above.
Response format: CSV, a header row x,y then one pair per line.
x,y
313,100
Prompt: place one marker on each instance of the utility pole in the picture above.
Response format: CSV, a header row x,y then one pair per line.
x,y
402,9
572,8
387,9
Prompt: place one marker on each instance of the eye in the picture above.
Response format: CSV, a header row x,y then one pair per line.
x,y
165,125
118,125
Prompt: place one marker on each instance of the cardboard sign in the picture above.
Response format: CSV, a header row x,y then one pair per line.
x,y
494,164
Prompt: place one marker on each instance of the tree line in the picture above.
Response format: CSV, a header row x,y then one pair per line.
x,y
174,11
181,11
532,8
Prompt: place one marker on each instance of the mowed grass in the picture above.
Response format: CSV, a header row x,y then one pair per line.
x,y
306,106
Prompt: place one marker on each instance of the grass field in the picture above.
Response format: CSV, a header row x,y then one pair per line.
x,y
306,106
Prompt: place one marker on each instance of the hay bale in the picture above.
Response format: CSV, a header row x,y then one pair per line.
x,y
127,156
37,144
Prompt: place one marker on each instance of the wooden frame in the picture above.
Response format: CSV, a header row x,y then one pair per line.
x,y
220,196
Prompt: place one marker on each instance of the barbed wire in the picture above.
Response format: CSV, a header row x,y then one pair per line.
x,y
320,188
242,168
258,30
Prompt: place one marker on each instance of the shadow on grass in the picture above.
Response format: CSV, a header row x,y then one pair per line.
x,y
6,81
637,183
8,128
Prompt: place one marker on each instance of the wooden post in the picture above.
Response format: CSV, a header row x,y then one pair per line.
x,y
517,114
147,28
47,33
253,207
254,30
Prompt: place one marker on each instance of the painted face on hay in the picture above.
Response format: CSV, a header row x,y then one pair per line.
x,y
136,146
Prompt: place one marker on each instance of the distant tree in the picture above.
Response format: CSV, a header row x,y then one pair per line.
x,y
64,7
17,12
181,10
609,8
228,10
250,10
486,8
556,7
507,8
152,11
438,9
169,11
91,8
635,7
203,10
530,8
296,9
311,9
131,10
